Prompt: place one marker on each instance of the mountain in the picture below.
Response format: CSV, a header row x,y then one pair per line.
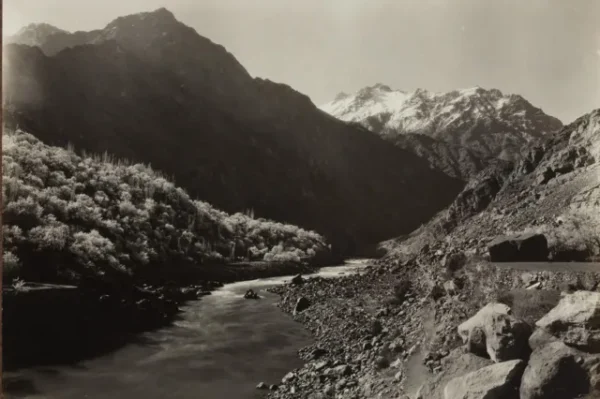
x,y
454,160
151,89
554,190
36,34
466,128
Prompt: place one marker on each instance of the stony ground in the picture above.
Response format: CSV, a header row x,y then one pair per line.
x,y
385,332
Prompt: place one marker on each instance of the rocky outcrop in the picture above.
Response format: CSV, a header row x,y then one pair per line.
x,y
250,294
479,192
456,364
297,280
498,381
301,305
524,248
495,333
575,321
556,371
553,191
565,362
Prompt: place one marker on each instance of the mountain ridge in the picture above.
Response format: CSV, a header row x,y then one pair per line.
x,y
475,122
554,190
188,107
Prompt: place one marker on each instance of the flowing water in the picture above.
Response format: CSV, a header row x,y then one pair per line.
x,y
221,347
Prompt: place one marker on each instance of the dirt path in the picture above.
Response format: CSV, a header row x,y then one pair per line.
x,y
551,266
416,371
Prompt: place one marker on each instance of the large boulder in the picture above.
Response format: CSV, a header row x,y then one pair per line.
x,y
575,320
456,364
498,381
297,280
528,247
495,332
540,338
301,305
556,371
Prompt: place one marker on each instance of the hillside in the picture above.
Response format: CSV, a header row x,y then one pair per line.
x,y
436,319
554,190
150,89
66,217
456,161
465,128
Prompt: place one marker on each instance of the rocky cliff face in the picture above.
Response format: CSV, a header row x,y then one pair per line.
x,y
454,160
554,190
464,128
150,89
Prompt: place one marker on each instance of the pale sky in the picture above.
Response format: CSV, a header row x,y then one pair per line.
x,y
546,50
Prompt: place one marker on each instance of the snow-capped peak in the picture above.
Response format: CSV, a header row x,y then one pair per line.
x,y
486,121
341,96
426,112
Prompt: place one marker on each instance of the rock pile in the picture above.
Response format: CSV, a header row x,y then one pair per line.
x,y
560,359
361,347
436,327
565,362
497,381
494,332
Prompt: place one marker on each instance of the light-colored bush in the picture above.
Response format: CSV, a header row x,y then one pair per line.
x,y
109,214
10,265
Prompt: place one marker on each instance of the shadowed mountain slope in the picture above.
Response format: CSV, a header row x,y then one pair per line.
x,y
150,89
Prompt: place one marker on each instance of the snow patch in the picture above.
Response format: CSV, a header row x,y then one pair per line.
x,y
427,112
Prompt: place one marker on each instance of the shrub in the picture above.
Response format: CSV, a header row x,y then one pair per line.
x,y
93,250
283,257
10,265
95,213
54,236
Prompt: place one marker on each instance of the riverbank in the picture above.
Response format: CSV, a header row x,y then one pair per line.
x,y
387,332
357,340
212,347
61,324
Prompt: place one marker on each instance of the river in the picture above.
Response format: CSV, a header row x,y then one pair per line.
x,y
220,347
